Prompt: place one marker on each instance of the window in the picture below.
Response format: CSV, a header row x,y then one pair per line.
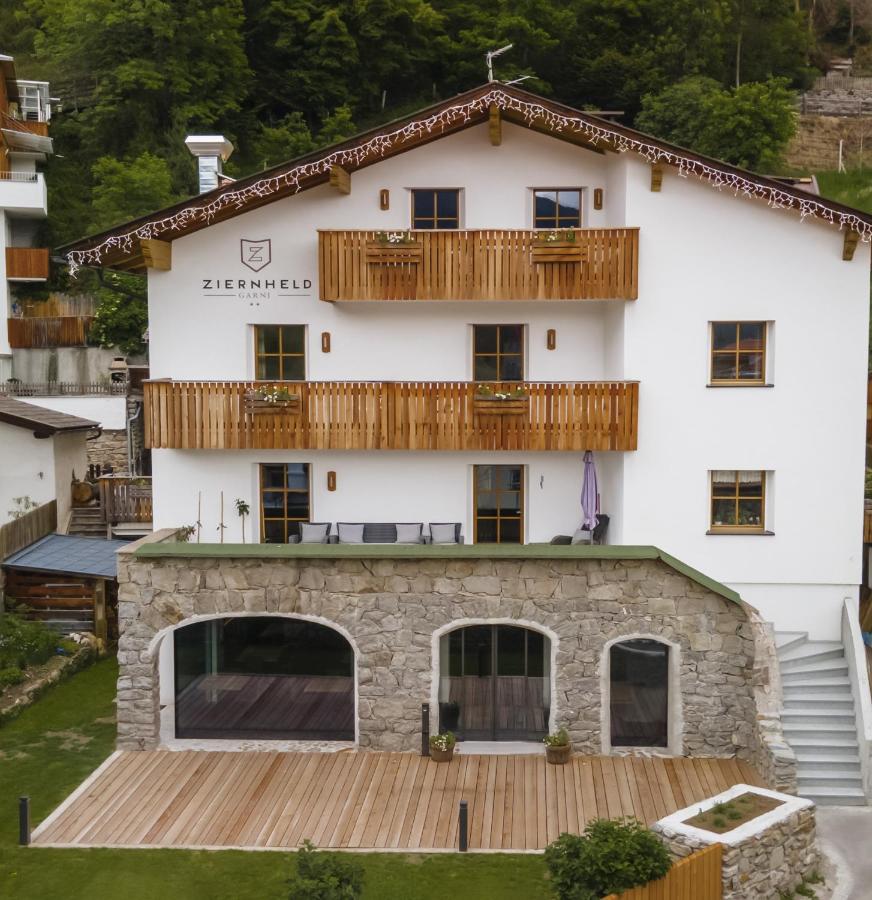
x,y
738,353
498,353
280,352
436,208
499,505
738,500
284,501
557,208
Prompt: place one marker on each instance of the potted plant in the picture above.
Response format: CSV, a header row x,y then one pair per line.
x,y
489,401
557,747
557,246
442,746
272,400
393,248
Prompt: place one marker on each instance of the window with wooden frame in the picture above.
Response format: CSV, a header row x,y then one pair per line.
x,y
557,208
285,500
738,353
280,352
435,208
738,500
499,504
498,353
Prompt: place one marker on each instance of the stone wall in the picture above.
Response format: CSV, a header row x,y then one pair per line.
x,y
109,449
391,609
775,859
815,146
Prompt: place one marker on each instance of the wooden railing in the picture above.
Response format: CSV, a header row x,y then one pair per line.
x,y
15,388
30,263
28,528
392,416
125,498
54,331
696,877
478,265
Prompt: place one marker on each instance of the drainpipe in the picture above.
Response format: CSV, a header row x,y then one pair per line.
x,y
130,421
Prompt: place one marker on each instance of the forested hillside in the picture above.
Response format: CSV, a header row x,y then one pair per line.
x,y
280,77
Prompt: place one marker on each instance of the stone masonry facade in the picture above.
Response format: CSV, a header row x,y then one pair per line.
x,y
391,608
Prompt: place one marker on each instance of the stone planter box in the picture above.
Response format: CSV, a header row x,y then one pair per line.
x,y
557,252
256,406
379,254
558,756
768,854
491,406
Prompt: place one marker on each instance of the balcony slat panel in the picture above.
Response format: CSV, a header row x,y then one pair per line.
x,y
392,416
479,265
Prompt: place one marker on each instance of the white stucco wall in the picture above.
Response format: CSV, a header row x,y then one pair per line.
x,y
704,256
109,412
27,468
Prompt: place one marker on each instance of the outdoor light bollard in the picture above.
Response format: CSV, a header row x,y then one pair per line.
x,y
425,729
464,827
24,821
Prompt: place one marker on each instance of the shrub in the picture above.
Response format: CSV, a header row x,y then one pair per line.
x,y
9,676
24,643
325,876
610,857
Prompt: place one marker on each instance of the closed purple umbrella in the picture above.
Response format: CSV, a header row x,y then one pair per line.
x,y
589,494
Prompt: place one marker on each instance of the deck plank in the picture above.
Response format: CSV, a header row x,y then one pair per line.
x,y
370,800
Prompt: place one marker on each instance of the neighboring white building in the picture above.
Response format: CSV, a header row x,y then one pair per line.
x,y
789,420
40,452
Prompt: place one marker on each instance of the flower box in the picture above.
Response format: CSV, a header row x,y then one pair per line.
x,y
380,253
259,406
441,755
549,252
496,406
558,756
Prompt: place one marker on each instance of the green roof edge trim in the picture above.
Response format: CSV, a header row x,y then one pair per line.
x,y
179,550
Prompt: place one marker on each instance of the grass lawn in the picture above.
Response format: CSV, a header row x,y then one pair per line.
x,y
853,188
53,746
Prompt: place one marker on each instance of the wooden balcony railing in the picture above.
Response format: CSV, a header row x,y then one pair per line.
x,y
27,263
391,416
49,331
478,265
125,498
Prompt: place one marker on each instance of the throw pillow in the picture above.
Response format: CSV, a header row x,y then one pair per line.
x,y
582,536
443,533
349,533
314,532
409,534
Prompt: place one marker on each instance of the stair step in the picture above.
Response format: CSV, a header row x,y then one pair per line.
x,y
831,796
829,763
818,715
828,668
833,700
785,639
832,780
833,746
817,686
810,653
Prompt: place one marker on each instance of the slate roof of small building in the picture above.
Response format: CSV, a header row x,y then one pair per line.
x,y
43,422
68,554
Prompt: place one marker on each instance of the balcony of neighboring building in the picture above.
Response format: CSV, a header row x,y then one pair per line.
x,y
27,263
23,192
56,322
389,415
464,265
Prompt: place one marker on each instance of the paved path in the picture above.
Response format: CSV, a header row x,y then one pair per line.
x,y
844,834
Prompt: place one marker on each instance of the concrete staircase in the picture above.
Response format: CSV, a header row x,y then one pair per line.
x,y
818,719
87,521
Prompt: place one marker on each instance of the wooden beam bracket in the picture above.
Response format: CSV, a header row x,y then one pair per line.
x,y
656,178
850,245
156,254
495,125
340,179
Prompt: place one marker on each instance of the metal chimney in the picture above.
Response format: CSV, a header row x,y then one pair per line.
x,y
211,151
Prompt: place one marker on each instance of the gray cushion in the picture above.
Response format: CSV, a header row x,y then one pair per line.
x,y
564,539
314,532
443,533
409,533
350,533
582,536
379,533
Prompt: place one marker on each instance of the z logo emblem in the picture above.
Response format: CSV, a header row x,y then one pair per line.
x,y
255,254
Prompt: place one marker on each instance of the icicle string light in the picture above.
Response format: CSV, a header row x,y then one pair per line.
x,y
594,133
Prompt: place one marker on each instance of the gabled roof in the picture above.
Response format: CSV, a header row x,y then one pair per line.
x,y
41,421
68,554
119,245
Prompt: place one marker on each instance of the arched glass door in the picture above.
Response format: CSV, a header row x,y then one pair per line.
x,y
639,693
263,677
495,683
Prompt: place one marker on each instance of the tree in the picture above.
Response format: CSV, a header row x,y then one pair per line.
x,y
286,140
748,126
125,190
337,127
121,319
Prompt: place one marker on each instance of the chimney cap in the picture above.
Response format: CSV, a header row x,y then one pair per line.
x,y
209,145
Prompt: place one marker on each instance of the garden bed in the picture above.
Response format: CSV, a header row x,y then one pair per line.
x,y
730,814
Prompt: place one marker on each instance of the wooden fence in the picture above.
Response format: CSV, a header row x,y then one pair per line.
x,y
696,877
478,265
57,305
392,416
49,331
30,527
125,498
28,263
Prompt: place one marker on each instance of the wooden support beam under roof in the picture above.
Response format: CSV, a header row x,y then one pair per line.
x,y
495,125
156,254
656,178
340,179
850,245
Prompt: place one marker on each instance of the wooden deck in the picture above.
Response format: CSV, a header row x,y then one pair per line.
x,y
359,800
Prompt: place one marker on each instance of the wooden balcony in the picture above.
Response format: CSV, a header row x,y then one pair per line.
x,y
479,265
391,416
27,263
49,331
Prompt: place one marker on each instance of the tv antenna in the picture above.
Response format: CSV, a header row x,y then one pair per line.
x,y
518,80
491,55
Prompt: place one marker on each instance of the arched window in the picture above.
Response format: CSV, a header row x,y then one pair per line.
x,y
495,683
639,693
263,677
